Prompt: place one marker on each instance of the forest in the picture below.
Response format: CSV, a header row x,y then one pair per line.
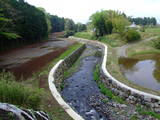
x,y
22,24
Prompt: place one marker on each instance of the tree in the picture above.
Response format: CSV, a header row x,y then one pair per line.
x,y
108,21
143,21
80,27
69,25
21,19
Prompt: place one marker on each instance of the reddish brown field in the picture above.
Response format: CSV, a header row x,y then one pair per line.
x,y
34,65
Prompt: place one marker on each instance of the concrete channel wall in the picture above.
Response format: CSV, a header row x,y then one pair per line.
x,y
131,95
56,76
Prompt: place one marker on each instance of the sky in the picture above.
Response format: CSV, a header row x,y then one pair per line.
x,y
81,10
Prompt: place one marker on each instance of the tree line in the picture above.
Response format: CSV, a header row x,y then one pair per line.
x,y
108,21
22,23
143,21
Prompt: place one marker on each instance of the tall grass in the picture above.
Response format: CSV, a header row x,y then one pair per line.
x,y
16,93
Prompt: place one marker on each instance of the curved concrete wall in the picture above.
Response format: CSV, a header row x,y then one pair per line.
x,y
130,94
56,74
124,91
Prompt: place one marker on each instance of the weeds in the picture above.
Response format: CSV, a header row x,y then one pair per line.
x,y
103,88
15,93
143,111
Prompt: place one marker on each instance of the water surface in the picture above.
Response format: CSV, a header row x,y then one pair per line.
x,y
143,70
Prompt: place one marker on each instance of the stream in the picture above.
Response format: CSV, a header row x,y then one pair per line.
x,y
81,86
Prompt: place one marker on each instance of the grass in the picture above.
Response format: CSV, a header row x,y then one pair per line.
x,y
143,111
113,40
103,88
142,48
85,35
16,93
150,32
26,94
49,104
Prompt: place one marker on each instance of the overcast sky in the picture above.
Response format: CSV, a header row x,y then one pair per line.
x,y
80,10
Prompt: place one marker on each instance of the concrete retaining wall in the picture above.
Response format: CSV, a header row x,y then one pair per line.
x,y
56,76
130,94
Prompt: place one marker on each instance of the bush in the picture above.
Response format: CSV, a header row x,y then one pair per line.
x,y
132,35
15,93
68,33
156,43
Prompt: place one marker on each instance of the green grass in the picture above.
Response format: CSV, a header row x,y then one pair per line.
x,y
113,40
16,93
29,94
85,35
144,111
55,110
103,88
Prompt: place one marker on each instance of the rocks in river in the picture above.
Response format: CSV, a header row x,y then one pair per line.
x,y
11,112
115,110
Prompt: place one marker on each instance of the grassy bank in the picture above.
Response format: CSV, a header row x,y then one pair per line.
x,y
142,48
34,88
141,110
114,40
40,80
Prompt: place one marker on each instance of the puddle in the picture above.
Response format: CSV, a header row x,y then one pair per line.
x,y
143,70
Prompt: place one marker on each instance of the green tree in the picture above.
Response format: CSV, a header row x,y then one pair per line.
x,y
69,25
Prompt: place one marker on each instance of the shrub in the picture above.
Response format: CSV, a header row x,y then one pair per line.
x,y
68,33
156,43
132,35
16,93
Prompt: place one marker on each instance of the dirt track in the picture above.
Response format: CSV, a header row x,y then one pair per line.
x,y
121,51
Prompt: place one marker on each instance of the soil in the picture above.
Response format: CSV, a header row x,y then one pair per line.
x,y
29,59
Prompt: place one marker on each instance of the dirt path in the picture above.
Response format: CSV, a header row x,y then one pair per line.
x,y
121,51
28,59
81,86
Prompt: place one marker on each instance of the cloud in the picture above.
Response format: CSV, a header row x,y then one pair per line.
x,y
80,10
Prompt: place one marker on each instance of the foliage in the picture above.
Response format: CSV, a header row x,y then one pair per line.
x,y
18,18
68,33
85,35
108,21
69,25
144,21
57,23
80,27
15,93
156,43
103,88
144,111
132,35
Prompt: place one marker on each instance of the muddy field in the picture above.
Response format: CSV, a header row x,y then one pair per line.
x,y
29,59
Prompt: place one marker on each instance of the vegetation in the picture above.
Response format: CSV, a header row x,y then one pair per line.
x,y
49,104
103,87
144,111
144,21
20,23
156,43
107,22
15,93
132,35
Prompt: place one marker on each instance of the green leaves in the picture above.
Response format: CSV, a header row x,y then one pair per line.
x,y
10,35
108,21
